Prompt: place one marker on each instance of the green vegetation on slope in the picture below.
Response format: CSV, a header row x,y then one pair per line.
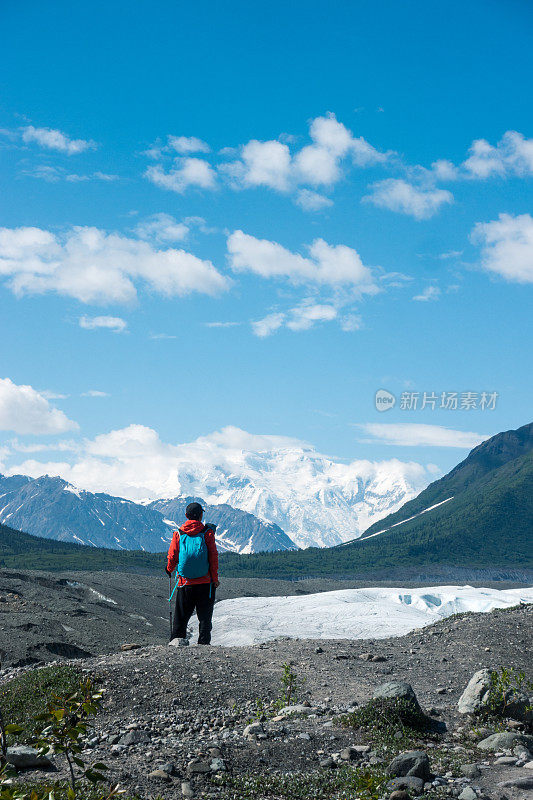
x,y
23,551
490,524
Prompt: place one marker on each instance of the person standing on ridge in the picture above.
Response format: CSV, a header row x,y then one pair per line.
x,y
194,552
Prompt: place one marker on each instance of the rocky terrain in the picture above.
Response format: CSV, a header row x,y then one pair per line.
x,y
203,722
46,615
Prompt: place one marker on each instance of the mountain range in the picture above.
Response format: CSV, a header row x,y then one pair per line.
x,y
54,509
478,515
277,497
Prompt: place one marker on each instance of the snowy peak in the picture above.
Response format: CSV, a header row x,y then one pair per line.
x,y
55,509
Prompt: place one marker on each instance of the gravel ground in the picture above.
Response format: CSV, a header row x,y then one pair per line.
x,y
189,707
44,616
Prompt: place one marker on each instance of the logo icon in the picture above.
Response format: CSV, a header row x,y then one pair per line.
x,y
384,400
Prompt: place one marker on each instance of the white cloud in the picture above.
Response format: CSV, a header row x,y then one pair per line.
x,y
405,198
186,172
94,176
50,395
332,265
264,164
303,317
408,434
52,139
429,293
50,174
133,462
268,325
307,314
61,446
188,144
23,410
96,267
162,336
312,201
271,163
162,228
114,324
513,155
221,324
507,246
94,393
351,322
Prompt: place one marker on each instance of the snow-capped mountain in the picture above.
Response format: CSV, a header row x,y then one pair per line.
x,y
315,500
54,509
237,530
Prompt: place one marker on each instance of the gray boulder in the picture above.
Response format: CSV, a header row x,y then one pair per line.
x,y
399,689
468,794
470,771
22,757
412,762
475,695
409,782
134,737
518,706
252,730
505,741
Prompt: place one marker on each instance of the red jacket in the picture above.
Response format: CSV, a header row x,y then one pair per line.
x,y
193,527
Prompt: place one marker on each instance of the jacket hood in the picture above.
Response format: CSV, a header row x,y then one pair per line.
x,y
192,527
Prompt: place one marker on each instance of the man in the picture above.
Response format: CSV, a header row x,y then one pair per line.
x,y
194,552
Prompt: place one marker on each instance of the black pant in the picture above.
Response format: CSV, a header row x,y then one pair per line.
x,y
200,598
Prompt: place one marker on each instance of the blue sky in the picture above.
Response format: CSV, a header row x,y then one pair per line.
x,y
257,216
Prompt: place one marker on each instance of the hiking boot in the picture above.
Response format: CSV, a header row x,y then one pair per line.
x,y
179,643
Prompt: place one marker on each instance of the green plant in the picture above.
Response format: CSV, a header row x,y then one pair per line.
x,y
290,684
502,686
344,783
392,723
23,698
63,727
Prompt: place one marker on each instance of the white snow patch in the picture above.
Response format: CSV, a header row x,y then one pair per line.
x,y
72,489
351,613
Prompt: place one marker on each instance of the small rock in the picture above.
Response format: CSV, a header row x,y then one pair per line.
x,y
318,650
505,741
506,760
126,647
468,794
159,775
399,794
328,762
378,659
298,708
217,765
412,762
252,730
366,656
198,767
186,789
409,782
22,757
350,754
134,737
470,771
528,765
476,693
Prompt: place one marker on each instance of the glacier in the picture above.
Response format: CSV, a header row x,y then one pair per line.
x,y
373,613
